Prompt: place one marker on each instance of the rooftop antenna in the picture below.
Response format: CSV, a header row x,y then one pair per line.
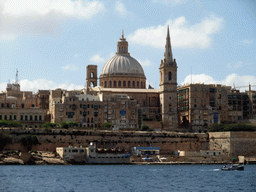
x,y
16,79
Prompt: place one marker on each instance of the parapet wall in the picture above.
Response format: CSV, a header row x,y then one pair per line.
x,y
167,141
234,143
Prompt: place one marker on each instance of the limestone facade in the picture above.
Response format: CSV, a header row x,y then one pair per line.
x,y
24,106
200,105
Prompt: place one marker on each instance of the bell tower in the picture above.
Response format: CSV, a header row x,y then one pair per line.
x,y
92,77
168,87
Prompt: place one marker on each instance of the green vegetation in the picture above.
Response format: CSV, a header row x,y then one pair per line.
x,y
66,125
4,140
50,125
5,123
231,127
29,140
106,125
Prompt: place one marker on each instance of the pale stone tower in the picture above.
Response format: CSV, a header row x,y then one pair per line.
x,y
92,77
168,87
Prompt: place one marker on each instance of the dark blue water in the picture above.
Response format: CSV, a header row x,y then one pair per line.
x,y
126,178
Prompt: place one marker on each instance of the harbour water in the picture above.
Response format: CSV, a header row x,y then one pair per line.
x,y
123,178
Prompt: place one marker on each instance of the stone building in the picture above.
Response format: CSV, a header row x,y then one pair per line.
x,y
121,97
24,106
200,105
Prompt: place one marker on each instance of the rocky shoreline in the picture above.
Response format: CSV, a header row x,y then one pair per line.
x,y
52,158
30,158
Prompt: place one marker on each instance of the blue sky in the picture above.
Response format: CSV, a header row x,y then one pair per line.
x,y
51,42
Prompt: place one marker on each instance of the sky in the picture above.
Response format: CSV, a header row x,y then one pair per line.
x,y
50,42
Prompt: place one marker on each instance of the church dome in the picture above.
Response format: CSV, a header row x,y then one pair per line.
x,y
123,65
122,70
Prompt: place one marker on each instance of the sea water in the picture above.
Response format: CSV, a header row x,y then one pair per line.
x,y
123,178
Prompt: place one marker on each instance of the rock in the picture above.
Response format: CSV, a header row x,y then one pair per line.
x,y
54,161
13,161
26,157
39,162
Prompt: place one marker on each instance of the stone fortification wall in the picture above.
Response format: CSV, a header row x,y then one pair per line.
x,y
234,143
167,141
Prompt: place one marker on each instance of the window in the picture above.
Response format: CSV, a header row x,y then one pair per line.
x,y
26,117
105,84
133,84
119,83
170,76
0,117
10,117
5,117
40,118
138,84
33,105
31,118
22,105
14,117
35,117
114,83
124,83
2,105
21,117
110,83
129,83
8,105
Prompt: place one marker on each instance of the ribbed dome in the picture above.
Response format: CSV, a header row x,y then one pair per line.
x,y
123,65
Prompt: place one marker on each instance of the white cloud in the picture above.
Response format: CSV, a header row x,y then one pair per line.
x,y
70,67
247,41
182,33
42,84
97,59
7,37
235,66
120,8
43,16
230,80
76,55
145,63
172,2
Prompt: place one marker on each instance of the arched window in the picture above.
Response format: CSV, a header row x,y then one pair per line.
x,y
105,84
133,84
119,83
138,84
110,83
170,76
129,83
114,83
141,85
91,84
144,85
92,74
31,118
124,83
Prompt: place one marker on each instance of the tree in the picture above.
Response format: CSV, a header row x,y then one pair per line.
x,y
66,125
106,125
50,125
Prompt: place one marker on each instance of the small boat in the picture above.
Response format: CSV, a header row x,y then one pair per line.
x,y
233,167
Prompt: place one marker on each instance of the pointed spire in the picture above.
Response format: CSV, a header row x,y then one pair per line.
x,y
168,48
16,79
122,34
